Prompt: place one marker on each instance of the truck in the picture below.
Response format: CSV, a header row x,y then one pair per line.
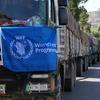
x,y
42,49
30,67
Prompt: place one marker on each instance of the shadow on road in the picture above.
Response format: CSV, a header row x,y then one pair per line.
x,y
87,86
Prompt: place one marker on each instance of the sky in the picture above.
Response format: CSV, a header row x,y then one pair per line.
x,y
92,5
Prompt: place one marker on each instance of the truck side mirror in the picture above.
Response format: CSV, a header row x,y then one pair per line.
x,y
63,16
62,3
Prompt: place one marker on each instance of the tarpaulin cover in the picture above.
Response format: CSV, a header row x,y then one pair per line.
x,y
27,49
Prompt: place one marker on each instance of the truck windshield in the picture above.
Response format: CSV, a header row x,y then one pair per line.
x,y
31,11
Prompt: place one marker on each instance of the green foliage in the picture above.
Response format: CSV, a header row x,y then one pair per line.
x,y
80,14
99,29
83,15
96,34
73,7
85,26
96,31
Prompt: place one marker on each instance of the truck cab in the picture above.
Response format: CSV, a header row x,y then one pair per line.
x,y
20,14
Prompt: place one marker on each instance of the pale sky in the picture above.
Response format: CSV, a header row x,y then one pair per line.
x,y
92,5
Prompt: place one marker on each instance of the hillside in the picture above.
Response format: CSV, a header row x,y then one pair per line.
x,y
94,18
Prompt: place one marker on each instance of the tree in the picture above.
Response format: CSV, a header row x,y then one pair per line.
x,y
96,34
99,29
96,31
73,6
85,26
80,14
74,9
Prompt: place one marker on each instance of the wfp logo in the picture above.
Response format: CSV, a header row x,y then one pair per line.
x,y
21,47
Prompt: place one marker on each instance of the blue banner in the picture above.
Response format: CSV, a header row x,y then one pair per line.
x,y
27,49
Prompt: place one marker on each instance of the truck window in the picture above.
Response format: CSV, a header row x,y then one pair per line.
x,y
33,11
53,16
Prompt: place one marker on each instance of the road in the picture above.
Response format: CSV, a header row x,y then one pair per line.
x,y
87,87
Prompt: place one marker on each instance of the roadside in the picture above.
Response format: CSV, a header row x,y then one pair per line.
x,y
87,87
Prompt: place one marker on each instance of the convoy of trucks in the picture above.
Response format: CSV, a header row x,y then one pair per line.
x,y
42,49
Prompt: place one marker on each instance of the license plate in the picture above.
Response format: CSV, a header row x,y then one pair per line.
x,y
37,87
2,88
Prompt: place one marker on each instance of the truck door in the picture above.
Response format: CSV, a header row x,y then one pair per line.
x,y
52,17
